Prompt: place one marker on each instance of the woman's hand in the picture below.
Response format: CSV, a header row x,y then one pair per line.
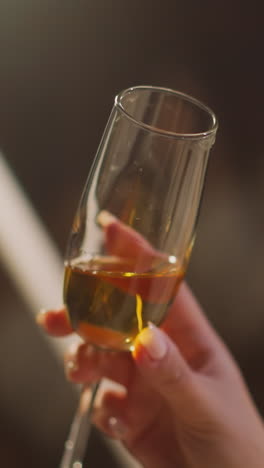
x,y
186,404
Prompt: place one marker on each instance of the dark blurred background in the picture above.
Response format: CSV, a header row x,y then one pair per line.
x,y
61,64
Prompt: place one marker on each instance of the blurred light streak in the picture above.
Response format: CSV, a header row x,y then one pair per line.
x,y
27,251
35,265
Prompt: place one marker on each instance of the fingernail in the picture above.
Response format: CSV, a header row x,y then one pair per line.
x,y
71,366
40,318
153,341
89,350
105,218
117,427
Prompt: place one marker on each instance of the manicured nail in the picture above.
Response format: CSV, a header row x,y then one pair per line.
x,y
153,341
89,350
105,218
40,318
71,366
117,427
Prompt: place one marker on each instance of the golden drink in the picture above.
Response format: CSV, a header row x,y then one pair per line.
x,y
108,304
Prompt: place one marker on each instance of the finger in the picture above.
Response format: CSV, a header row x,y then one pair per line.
x,y
161,364
125,242
126,416
139,432
132,421
187,326
87,364
186,316
136,254
55,322
186,313
110,417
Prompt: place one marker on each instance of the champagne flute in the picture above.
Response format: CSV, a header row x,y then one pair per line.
x,y
134,229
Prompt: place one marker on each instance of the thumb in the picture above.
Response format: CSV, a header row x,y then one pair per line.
x,y
160,362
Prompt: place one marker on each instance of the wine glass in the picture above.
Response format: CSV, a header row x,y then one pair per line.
x,y
134,229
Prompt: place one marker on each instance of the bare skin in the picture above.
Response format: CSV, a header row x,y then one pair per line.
x,y
186,406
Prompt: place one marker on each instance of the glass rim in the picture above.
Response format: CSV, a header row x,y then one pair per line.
x,y
185,97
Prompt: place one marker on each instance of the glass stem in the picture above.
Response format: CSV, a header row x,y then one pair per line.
x,y
75,445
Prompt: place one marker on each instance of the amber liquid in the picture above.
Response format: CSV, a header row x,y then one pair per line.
x,y
108,305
